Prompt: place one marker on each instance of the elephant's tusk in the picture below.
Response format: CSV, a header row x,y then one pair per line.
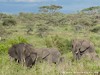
x,y
76,52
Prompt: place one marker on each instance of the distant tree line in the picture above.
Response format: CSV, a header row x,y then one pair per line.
x,y
94,9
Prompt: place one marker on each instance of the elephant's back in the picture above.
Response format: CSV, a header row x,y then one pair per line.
x,y
54,52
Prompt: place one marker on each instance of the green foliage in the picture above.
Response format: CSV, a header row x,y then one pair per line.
x,y
27,18
3,48
91,8
29,29
4,16
95,29
81,19
85,21
59,19
42,30
50,9
17,40
2,30
9,22
60,37
63,44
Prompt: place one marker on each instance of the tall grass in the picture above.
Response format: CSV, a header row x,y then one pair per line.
x,y
61,35
63,44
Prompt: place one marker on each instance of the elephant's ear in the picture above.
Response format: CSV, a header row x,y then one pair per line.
x,y
84,46
45,53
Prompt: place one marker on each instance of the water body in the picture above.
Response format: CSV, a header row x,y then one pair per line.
x,y
69,6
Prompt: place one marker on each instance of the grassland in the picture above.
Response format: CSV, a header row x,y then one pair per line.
x,y
54,34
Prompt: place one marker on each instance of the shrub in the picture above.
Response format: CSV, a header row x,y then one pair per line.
x,y
42,30
95,29
17,40
9,22
3,47
2,30
61,43
86,21
29,29
78,28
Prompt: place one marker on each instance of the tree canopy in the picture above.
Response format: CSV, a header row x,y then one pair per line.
x,y
95,9
51,8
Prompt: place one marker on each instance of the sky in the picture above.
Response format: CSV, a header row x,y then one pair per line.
x,y
69,6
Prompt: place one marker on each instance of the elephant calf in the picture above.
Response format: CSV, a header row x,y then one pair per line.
x,y
50,55
23,53
83,48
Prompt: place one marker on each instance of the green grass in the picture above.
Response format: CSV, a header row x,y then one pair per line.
x,y
60,37
12,68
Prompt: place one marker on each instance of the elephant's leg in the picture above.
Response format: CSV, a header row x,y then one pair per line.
x,y
56,59
61,59
28,61
34,58
78,56
74,55
48,59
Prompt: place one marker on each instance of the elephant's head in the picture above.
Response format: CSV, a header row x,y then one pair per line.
x,y
23,53
31,59
81,47
13,53
76,46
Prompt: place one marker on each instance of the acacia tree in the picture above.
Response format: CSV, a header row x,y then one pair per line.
x,y
95,9
43,9
50,9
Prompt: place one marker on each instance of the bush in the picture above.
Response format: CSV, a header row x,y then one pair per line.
x,y
85,21
17,40
29,29
78,28
9,22
42,30
3,48
2,30
95,29
64,45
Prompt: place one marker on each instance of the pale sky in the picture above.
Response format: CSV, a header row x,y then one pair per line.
x,y
69,6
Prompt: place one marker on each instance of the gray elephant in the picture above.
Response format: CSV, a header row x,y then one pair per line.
x,y
23,53
51,55
83,48
31,59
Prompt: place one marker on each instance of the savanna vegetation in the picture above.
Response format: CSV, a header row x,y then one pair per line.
x,y
50,28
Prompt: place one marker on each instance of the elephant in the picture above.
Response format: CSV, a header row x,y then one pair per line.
x,y
51,55
31,59
83,48
23,53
